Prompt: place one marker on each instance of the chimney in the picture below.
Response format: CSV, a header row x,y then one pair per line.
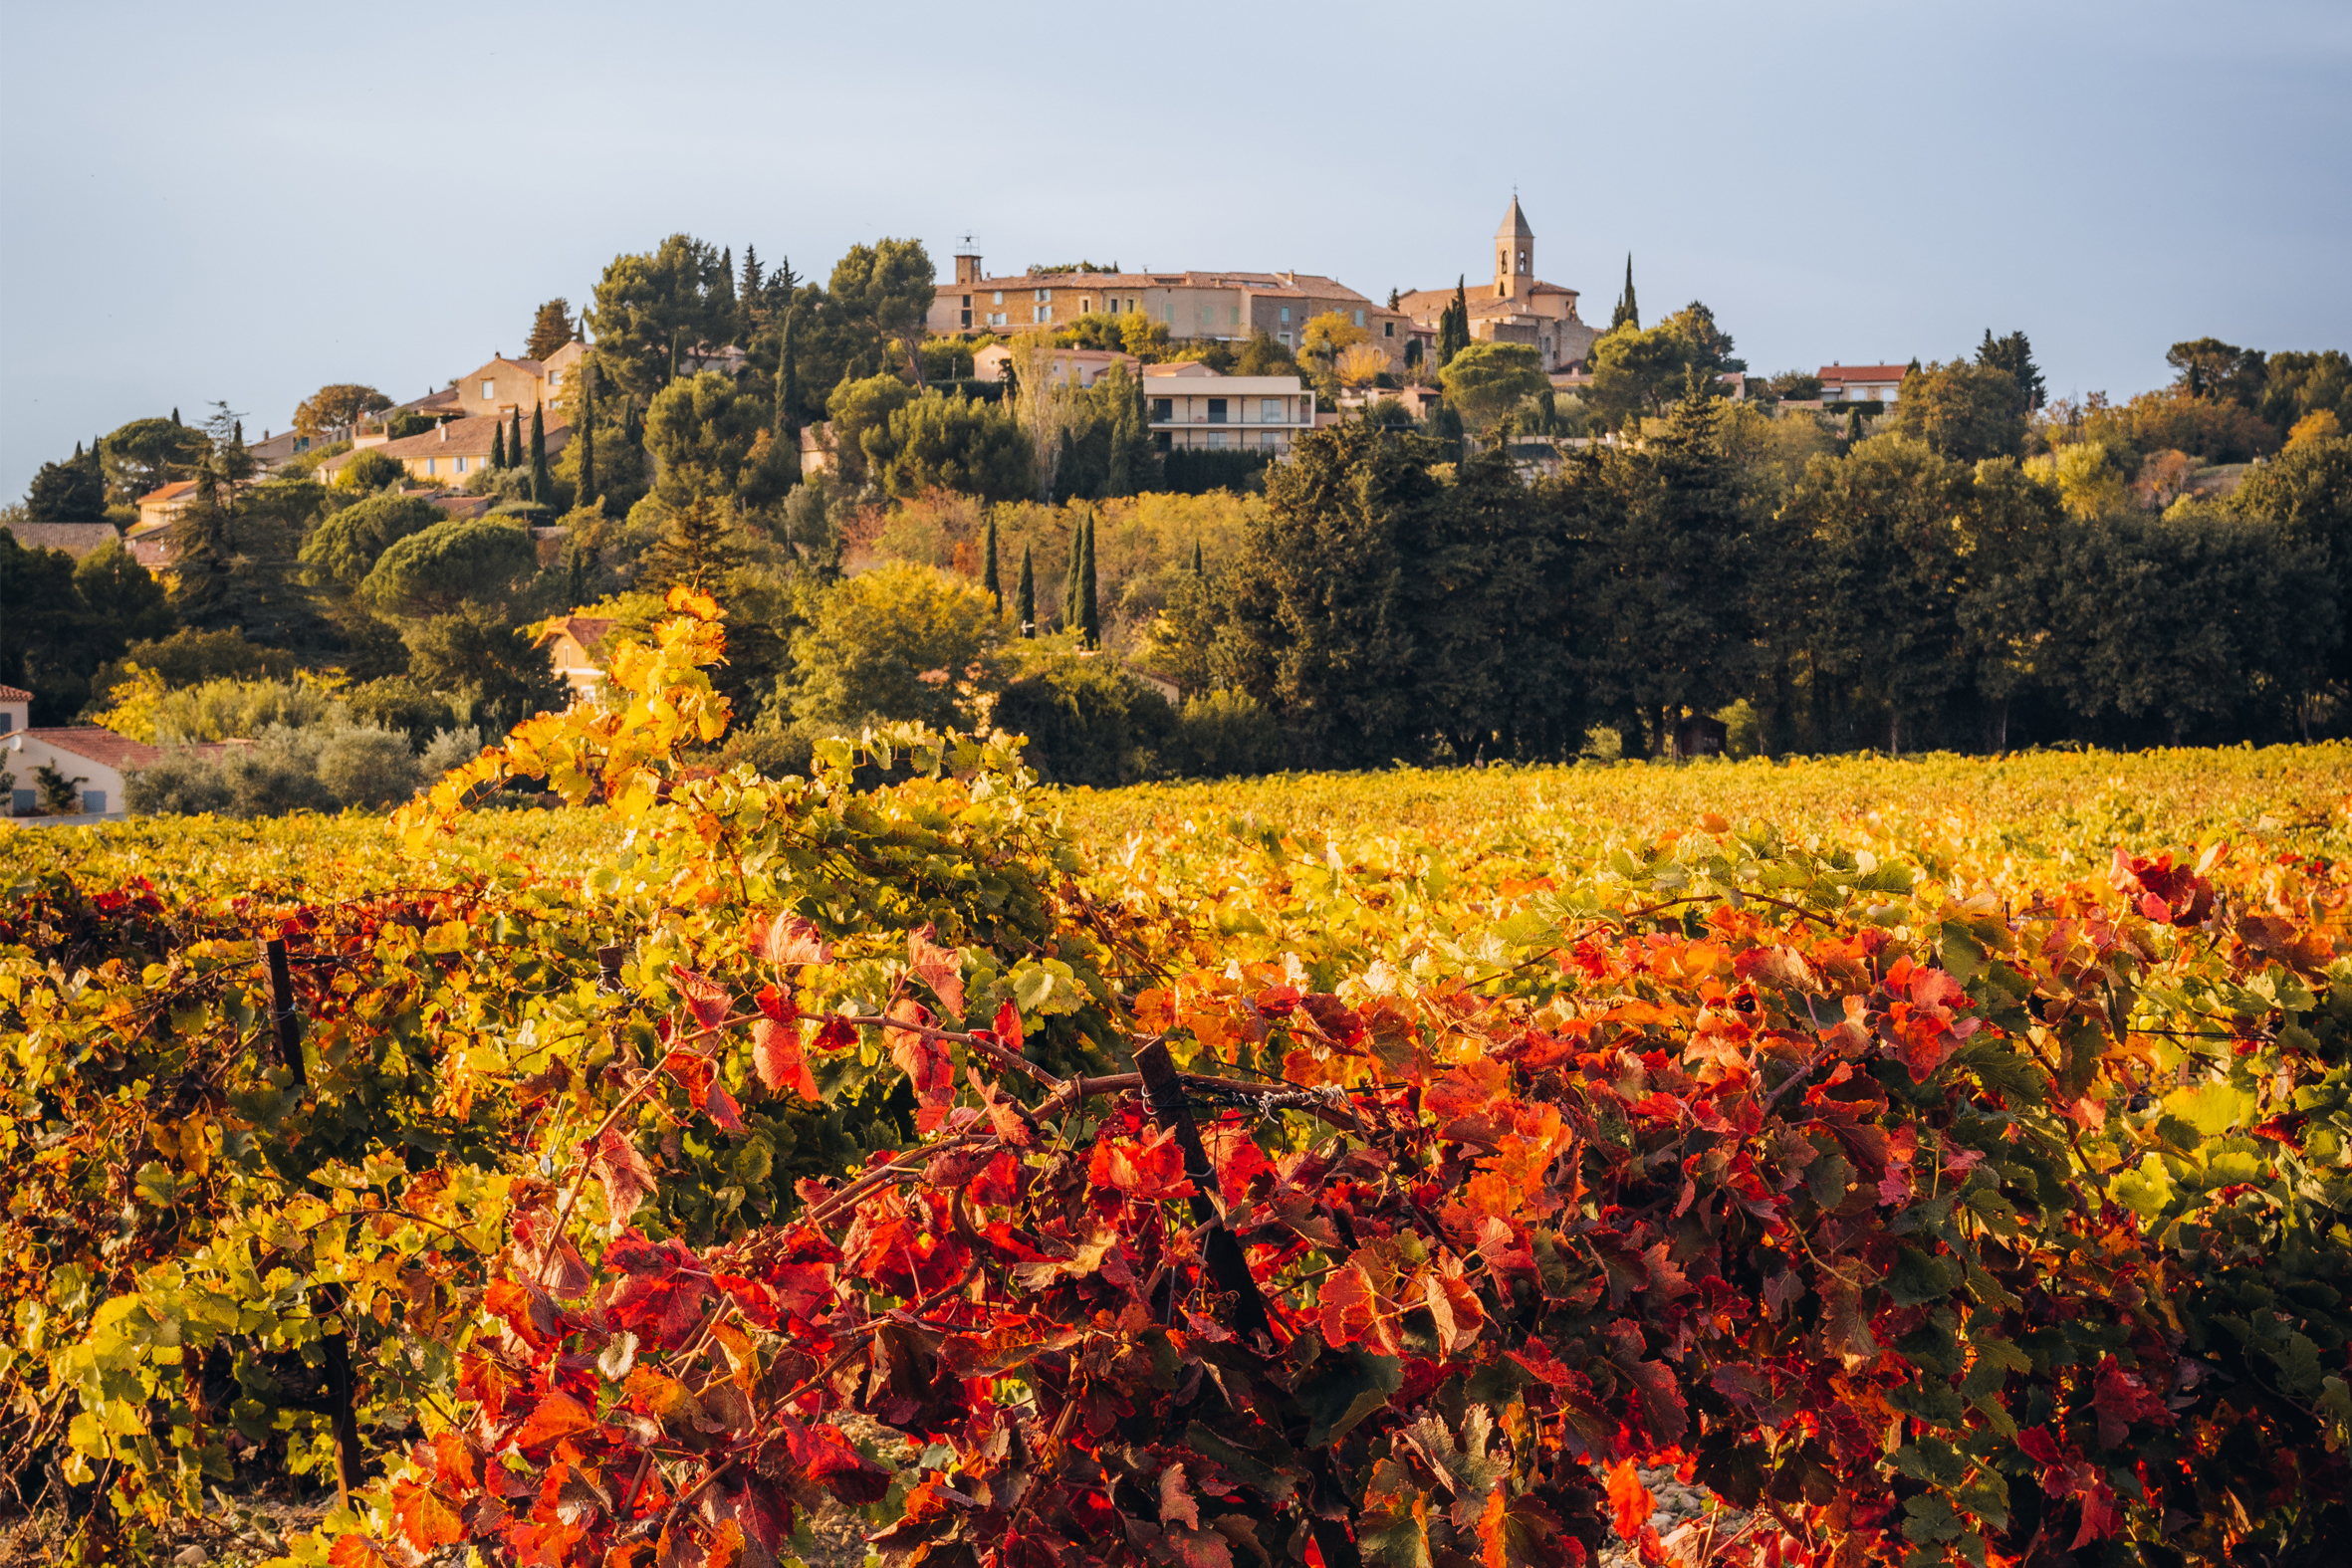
x,y
444,429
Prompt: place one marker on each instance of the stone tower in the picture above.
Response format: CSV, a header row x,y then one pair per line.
x,y
1514,254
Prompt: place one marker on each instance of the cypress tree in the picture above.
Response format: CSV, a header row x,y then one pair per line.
x,y
788,384
1024,597
542,487
588,442
1853,426
1069,578
514,440
1090,612
237,430
175,417
1198,569
498,447
988,574
1628,312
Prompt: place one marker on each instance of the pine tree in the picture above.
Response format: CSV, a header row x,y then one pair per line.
x,y
696,547
542,487
1628,312
1024,597
498,446
987,571
1089,607
586,494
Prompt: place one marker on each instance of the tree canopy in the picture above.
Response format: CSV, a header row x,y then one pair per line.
x,y
331,410
902,641
1487,381
345,545
551,328
436,569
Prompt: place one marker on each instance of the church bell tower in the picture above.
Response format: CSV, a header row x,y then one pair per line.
x,y
1514,254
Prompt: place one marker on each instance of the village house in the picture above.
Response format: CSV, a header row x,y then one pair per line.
x,y
576,646
1086,365
1200,409
451,453
1516,308
501,386
97,761
273,452
1861,383
1226,305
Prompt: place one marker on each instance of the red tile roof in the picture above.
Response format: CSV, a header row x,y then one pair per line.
x,y
98,745
168,492
1862,373
590,631
15,694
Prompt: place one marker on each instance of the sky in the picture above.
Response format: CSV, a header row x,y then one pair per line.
x,y
240,203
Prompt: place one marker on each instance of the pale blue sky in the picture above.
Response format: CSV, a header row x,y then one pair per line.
x,y
245,201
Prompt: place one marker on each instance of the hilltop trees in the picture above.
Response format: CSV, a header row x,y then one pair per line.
x,y
73,491
1488,380
551,328
882,292
1964,411
331,410
650,308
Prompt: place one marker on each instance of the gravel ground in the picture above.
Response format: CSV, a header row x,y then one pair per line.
x,y
1684,1511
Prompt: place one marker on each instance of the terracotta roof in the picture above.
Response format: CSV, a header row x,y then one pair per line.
x,y
468,437
15,694
1280,285
75,539
1862,373
461,505
1514,224
169,491
98,745
1431,301
590,631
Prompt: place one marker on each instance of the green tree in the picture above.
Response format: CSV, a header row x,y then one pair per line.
x,y
2013,354
1485,381
1711,345
460,561
542,487
2297,385
73,491
949,443
1089,722
699,545
1089,589
1263,354
48,639
1628,310
902,641
988,577
2306,492
1637,374
2223,372
551,328
124,599
701,431
1024,597
331,410
369,470
234,546
145,455
345,545
583,484
498,446
885,291
473,655
788,385
858,406
1453,327
1963,411
651,307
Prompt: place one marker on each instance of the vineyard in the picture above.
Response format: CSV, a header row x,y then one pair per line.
x,y
1931,1162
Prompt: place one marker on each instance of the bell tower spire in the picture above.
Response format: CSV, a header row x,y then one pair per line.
x,y
1514,254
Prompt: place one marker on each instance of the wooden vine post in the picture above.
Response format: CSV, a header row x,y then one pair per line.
x,y
341,1412
1164,1100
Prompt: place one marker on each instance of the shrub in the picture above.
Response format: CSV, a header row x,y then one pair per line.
x,y
1089,722
1195,471
402,703
371,470
450,749
368,767
180,784
1225,733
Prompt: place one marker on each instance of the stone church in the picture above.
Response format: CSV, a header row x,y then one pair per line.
x,y
1516,308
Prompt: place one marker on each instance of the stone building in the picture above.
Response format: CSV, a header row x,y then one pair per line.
x,y
1517,307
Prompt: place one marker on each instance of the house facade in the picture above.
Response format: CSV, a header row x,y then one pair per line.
x,y
498,387
1861,383
576,646
1227,412
1084,365
97,761
451,453
1517,307
1228,306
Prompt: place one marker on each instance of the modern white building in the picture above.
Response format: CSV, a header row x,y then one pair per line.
x,y
1196,407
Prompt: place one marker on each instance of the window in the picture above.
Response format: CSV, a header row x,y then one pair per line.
x,y
1041,312
489,391
1268,438
1216,411
1270,411
1286,313
24,803
1163,409
1044,294
1286,337
1171,316
967,302
1085,305
555,379
1359,318
429,462
999,299
1216,440
1233,316
7,722
967,316
1388,329
461,465
93,800
1160,440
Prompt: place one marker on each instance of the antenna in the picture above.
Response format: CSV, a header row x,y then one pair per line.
x,y
967,242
